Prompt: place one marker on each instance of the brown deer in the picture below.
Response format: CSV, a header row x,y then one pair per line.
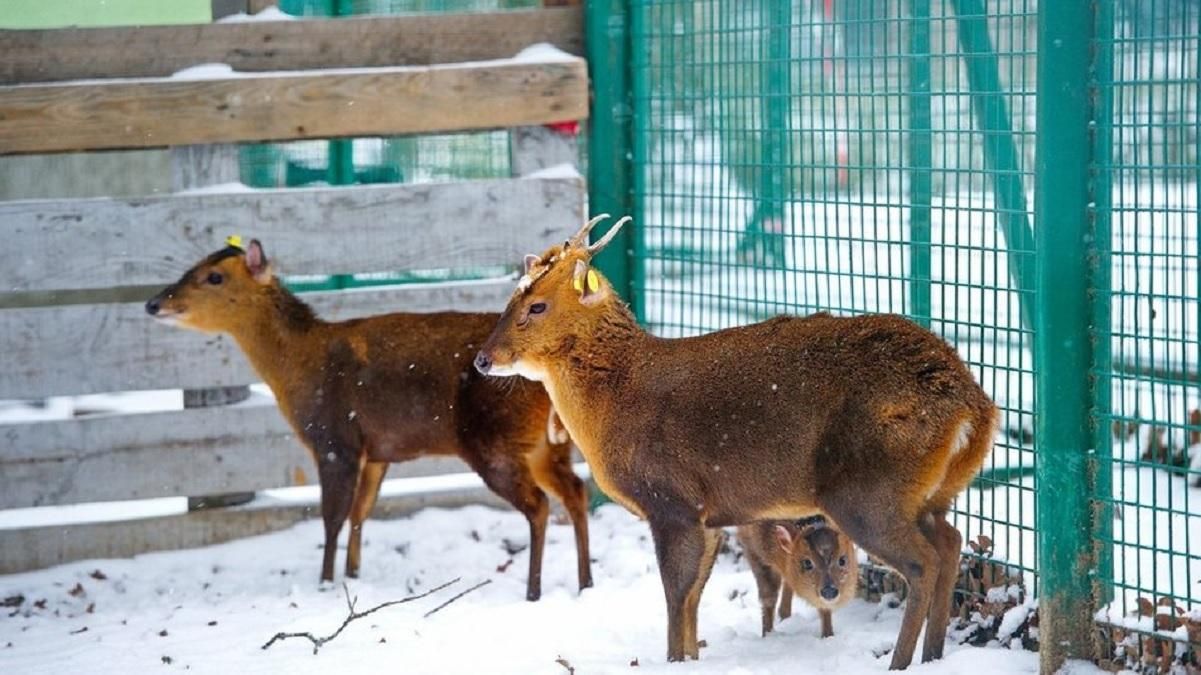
x,y
872,421
812,559
363,393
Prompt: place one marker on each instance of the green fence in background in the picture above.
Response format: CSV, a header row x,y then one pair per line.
x,y
401,159
1021,177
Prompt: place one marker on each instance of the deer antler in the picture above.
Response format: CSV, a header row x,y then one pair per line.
x,y
580,237
593,249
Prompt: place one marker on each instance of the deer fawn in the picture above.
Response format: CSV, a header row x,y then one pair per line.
x,y
872,421
814,560
363,393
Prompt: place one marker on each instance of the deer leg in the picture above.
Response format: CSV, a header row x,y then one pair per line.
x,y
511,479
553,473
898,540
680,550
949,543
713,539
827,622
768,583
338,476
786,594
365,495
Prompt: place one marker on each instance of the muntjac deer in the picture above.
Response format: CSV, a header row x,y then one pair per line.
x,y
814,561
362,393
872,421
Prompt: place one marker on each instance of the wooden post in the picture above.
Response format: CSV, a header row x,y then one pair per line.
x,y
194,166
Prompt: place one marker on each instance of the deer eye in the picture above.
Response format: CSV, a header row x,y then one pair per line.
x,y
215,278
806,564
842,561
538,308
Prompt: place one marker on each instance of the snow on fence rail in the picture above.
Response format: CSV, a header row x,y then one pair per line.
x,y
72,270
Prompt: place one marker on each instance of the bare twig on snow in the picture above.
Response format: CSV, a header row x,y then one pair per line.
x,y
318,642
439,607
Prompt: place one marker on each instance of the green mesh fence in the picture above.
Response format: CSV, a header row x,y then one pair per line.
x,y
861,156
1150,417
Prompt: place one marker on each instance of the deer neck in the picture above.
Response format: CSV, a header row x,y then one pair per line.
x,y
587,380
280,340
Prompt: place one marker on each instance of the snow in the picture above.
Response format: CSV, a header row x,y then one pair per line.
x,y
564,170
544,52
94,512
272,13
204,71
231,187
209,610
1013,619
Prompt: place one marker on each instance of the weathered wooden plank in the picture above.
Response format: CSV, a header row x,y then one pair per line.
x,y
39,547
156,51
98,243
288,106
80,349
187,452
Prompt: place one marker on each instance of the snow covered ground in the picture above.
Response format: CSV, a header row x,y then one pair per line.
x,y
210,610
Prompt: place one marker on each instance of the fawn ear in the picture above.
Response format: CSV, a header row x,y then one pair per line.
x,y
783,537
530,261
256,262
587,283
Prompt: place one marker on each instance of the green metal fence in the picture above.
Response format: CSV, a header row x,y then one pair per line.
x,y
880,156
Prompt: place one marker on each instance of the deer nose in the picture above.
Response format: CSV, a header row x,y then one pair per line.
x,y
152,306
829,592
483,363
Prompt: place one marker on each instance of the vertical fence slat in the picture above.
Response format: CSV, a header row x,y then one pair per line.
x,y
920,158
610,176
1062,339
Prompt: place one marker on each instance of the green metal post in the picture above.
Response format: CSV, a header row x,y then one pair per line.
x,y
764,239
611,138
339,167
1101,198
920,161
1063,353
1000,152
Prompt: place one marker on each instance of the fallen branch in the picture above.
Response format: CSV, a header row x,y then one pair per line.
x,y
439,607
318,642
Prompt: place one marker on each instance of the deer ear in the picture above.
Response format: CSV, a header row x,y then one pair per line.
x,y
256,262
530,261
587,283
783,537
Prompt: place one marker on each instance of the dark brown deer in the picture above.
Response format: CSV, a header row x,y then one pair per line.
x,y
363,393
872,421
808,558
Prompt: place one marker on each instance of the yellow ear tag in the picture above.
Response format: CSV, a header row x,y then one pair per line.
x,y
234,240
591,279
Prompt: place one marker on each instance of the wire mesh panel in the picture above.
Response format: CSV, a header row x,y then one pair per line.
x,y
1150,411
846,156
860,156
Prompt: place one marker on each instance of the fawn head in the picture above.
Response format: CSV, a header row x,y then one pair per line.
x,y
822,567
559,297
219,291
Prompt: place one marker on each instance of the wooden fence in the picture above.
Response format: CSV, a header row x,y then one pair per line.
x,y
73,272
